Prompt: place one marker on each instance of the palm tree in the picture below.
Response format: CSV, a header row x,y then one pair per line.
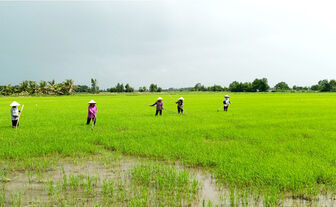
x,y
24,86
43,87
33,87
7,90
51,86
67,87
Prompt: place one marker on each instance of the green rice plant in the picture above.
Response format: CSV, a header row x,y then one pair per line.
x,y
15,200
2,196
166,185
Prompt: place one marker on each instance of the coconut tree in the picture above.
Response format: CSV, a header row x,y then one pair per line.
x,y
33,87
43,87
51,86
24,86
67,87
7,90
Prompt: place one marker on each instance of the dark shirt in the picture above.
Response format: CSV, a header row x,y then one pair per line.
x,y
180,104
159,105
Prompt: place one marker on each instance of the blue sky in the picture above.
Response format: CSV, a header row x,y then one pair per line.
x,y
171,43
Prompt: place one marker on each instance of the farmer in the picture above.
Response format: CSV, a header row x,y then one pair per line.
x,y
92,114
180,105
159,106
226,102
15,114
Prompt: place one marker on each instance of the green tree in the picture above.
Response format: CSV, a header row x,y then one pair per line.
x,y
51,87
260,85
324,85
24,86
142,89
43,87
235,86
120,88
128,88
281,86
94,86
199,87
153,88
332,84
33,88
82,89
67,87
7,90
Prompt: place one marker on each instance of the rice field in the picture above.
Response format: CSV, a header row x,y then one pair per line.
x,y
268,149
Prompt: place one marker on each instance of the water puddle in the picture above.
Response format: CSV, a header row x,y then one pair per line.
x,y
88,180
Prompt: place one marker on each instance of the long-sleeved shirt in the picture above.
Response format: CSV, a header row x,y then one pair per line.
x,y
15,113
226,102
159,105
92,111
180,104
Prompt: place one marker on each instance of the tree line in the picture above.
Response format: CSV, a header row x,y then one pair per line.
x,y
29,87
261,85
68,87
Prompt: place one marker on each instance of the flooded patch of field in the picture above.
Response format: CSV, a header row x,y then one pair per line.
x,y
114,180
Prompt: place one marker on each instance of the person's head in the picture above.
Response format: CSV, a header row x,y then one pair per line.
x,y
159,99
92,103
227,96
14,104
181,99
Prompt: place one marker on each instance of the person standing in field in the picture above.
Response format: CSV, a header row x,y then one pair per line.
x,y
226,102
92,112
159,106
15,114
180,105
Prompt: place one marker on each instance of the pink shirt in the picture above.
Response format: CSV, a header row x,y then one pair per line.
x,y
92,111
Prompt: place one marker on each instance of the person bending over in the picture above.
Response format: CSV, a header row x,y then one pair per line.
x,y
92,112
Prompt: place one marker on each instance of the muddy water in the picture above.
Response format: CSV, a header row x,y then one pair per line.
x,y
30,188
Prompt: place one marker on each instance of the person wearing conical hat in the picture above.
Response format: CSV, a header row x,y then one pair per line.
x,y
92,112
226,102
159,106
180,105
15,114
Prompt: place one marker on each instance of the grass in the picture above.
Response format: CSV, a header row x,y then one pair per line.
x,y
272,144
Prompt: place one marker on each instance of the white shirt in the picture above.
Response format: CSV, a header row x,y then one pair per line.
x,y
15,114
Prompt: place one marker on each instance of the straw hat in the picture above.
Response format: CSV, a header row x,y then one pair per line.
x,y
227,96
15,104
92,102
181,98
160,99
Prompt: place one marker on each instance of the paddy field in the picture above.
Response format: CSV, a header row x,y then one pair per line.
x,y
270,149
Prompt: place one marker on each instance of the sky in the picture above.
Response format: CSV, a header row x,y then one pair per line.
x,y
173,43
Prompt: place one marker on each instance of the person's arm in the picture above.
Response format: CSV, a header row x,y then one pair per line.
x,y
153,104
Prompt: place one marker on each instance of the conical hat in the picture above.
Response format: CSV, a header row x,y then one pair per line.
x,y
160,99
227,96
15,104
181,98
92,102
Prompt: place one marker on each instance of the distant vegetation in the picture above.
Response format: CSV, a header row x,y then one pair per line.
x,y
68,87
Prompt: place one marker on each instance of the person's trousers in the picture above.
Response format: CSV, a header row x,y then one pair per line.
x,y
157,112
226,108
89,120
15,123
179,110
